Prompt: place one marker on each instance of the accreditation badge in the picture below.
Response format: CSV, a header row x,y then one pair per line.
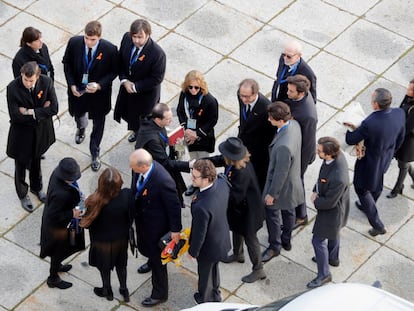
x,y
85,78
192,124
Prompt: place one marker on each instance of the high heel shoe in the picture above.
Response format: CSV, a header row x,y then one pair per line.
x,y
394,193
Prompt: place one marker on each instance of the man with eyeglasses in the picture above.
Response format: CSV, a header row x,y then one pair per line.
x,y
291,63
254,129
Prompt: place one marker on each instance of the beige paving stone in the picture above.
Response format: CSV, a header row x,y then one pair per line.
x,y
7,74
402,71
7,12
401,241
21,4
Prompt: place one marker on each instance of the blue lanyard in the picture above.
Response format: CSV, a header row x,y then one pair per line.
x,y
132,60
244,112
163,137
187,106
89,63
44,67
292,72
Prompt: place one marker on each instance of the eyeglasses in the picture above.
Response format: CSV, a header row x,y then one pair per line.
x,y
190,87
246,96
289,56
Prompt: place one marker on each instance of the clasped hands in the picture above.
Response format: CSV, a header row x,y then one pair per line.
x,y
190,136
28,111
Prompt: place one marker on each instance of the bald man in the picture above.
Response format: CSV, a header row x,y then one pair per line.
x,y
158,211
290,64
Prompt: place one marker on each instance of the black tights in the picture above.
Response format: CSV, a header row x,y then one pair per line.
x,y
106,277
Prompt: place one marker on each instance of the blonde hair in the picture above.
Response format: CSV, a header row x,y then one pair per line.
x,y
238,164
195,75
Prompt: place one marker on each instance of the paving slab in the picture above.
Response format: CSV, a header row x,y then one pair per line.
x,y
353,6
402,71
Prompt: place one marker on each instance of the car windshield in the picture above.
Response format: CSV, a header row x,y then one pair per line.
x,y
277,305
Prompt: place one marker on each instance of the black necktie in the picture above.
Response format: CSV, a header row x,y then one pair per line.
x,y
141,180
32,93
134,55
89,55
248,110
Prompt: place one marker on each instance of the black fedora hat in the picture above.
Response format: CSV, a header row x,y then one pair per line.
x,y
233,149
68,169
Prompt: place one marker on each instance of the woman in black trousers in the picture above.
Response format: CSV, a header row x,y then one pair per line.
x,y
405,154
245,212
107,218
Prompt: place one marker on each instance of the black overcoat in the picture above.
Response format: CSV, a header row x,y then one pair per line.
x,y
57,213
147,73
30,137
27,54
406,152
103,70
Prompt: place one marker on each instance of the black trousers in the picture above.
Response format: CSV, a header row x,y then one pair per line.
x,y
35,177
253,248
97,131
159,278
208,280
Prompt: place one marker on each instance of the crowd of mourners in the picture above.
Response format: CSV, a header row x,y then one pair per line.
x,y
264,166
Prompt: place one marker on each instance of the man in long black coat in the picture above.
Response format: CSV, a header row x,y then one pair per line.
x,y
209,239
158,211
331,199
90,65
32,102
254,129
142,69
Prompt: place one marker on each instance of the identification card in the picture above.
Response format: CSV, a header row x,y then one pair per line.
x,y
85,78
192,124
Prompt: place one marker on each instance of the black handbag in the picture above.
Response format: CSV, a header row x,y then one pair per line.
x,y
131,236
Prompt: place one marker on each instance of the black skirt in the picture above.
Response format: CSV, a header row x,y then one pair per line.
x,y
107,255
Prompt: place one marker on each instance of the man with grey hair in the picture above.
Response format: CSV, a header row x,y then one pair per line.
x,y
383,133
290,64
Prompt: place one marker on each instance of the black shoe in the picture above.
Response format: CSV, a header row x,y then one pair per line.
x,y
132,137
80,136
269,254
254,276
358,205
375,232
190,190
27,204
145,268
150,302
333,263
287,246
234,258
319,281
40,195
104,292
58,283
96,164
197,298
394,193
125,294
300,222
64,268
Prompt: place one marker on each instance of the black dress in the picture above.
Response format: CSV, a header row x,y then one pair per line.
x,y
109,233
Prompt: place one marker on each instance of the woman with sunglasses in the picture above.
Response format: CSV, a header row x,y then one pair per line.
x,y
197,111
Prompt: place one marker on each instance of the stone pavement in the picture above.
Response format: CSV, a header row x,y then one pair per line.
x,y
353,46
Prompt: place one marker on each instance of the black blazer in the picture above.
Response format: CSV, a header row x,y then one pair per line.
x,y
27,54
209,238
147,73
158,210
279,90
406,152
257,133
103,70
206,115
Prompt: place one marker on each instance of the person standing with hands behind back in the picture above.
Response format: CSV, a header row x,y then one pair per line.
x,y
90,65
63,195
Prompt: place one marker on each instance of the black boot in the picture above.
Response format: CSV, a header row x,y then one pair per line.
x,y
394,192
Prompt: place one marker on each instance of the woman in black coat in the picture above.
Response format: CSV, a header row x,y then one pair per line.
x,y
32,48
197,111
63,195
405,154
107,218
245,212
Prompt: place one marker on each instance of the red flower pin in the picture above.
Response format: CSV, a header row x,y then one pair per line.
x,y
200,112
141,58
39,95
144,193
99,57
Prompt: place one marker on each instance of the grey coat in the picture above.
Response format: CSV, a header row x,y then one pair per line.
x,y
283,180
332,202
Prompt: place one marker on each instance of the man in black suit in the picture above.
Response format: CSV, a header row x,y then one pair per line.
x,y
32,102
142,69
90,65
254,129
303,110
209,239
158,211
290,64
383,133
331,198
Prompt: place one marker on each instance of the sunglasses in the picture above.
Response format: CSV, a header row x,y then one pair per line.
x,y
288,56
190,87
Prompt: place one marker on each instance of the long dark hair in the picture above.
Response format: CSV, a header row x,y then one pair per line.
x,y
109,186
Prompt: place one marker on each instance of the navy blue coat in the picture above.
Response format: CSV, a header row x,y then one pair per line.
x,y
158,210
103,70
383,133
210,238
